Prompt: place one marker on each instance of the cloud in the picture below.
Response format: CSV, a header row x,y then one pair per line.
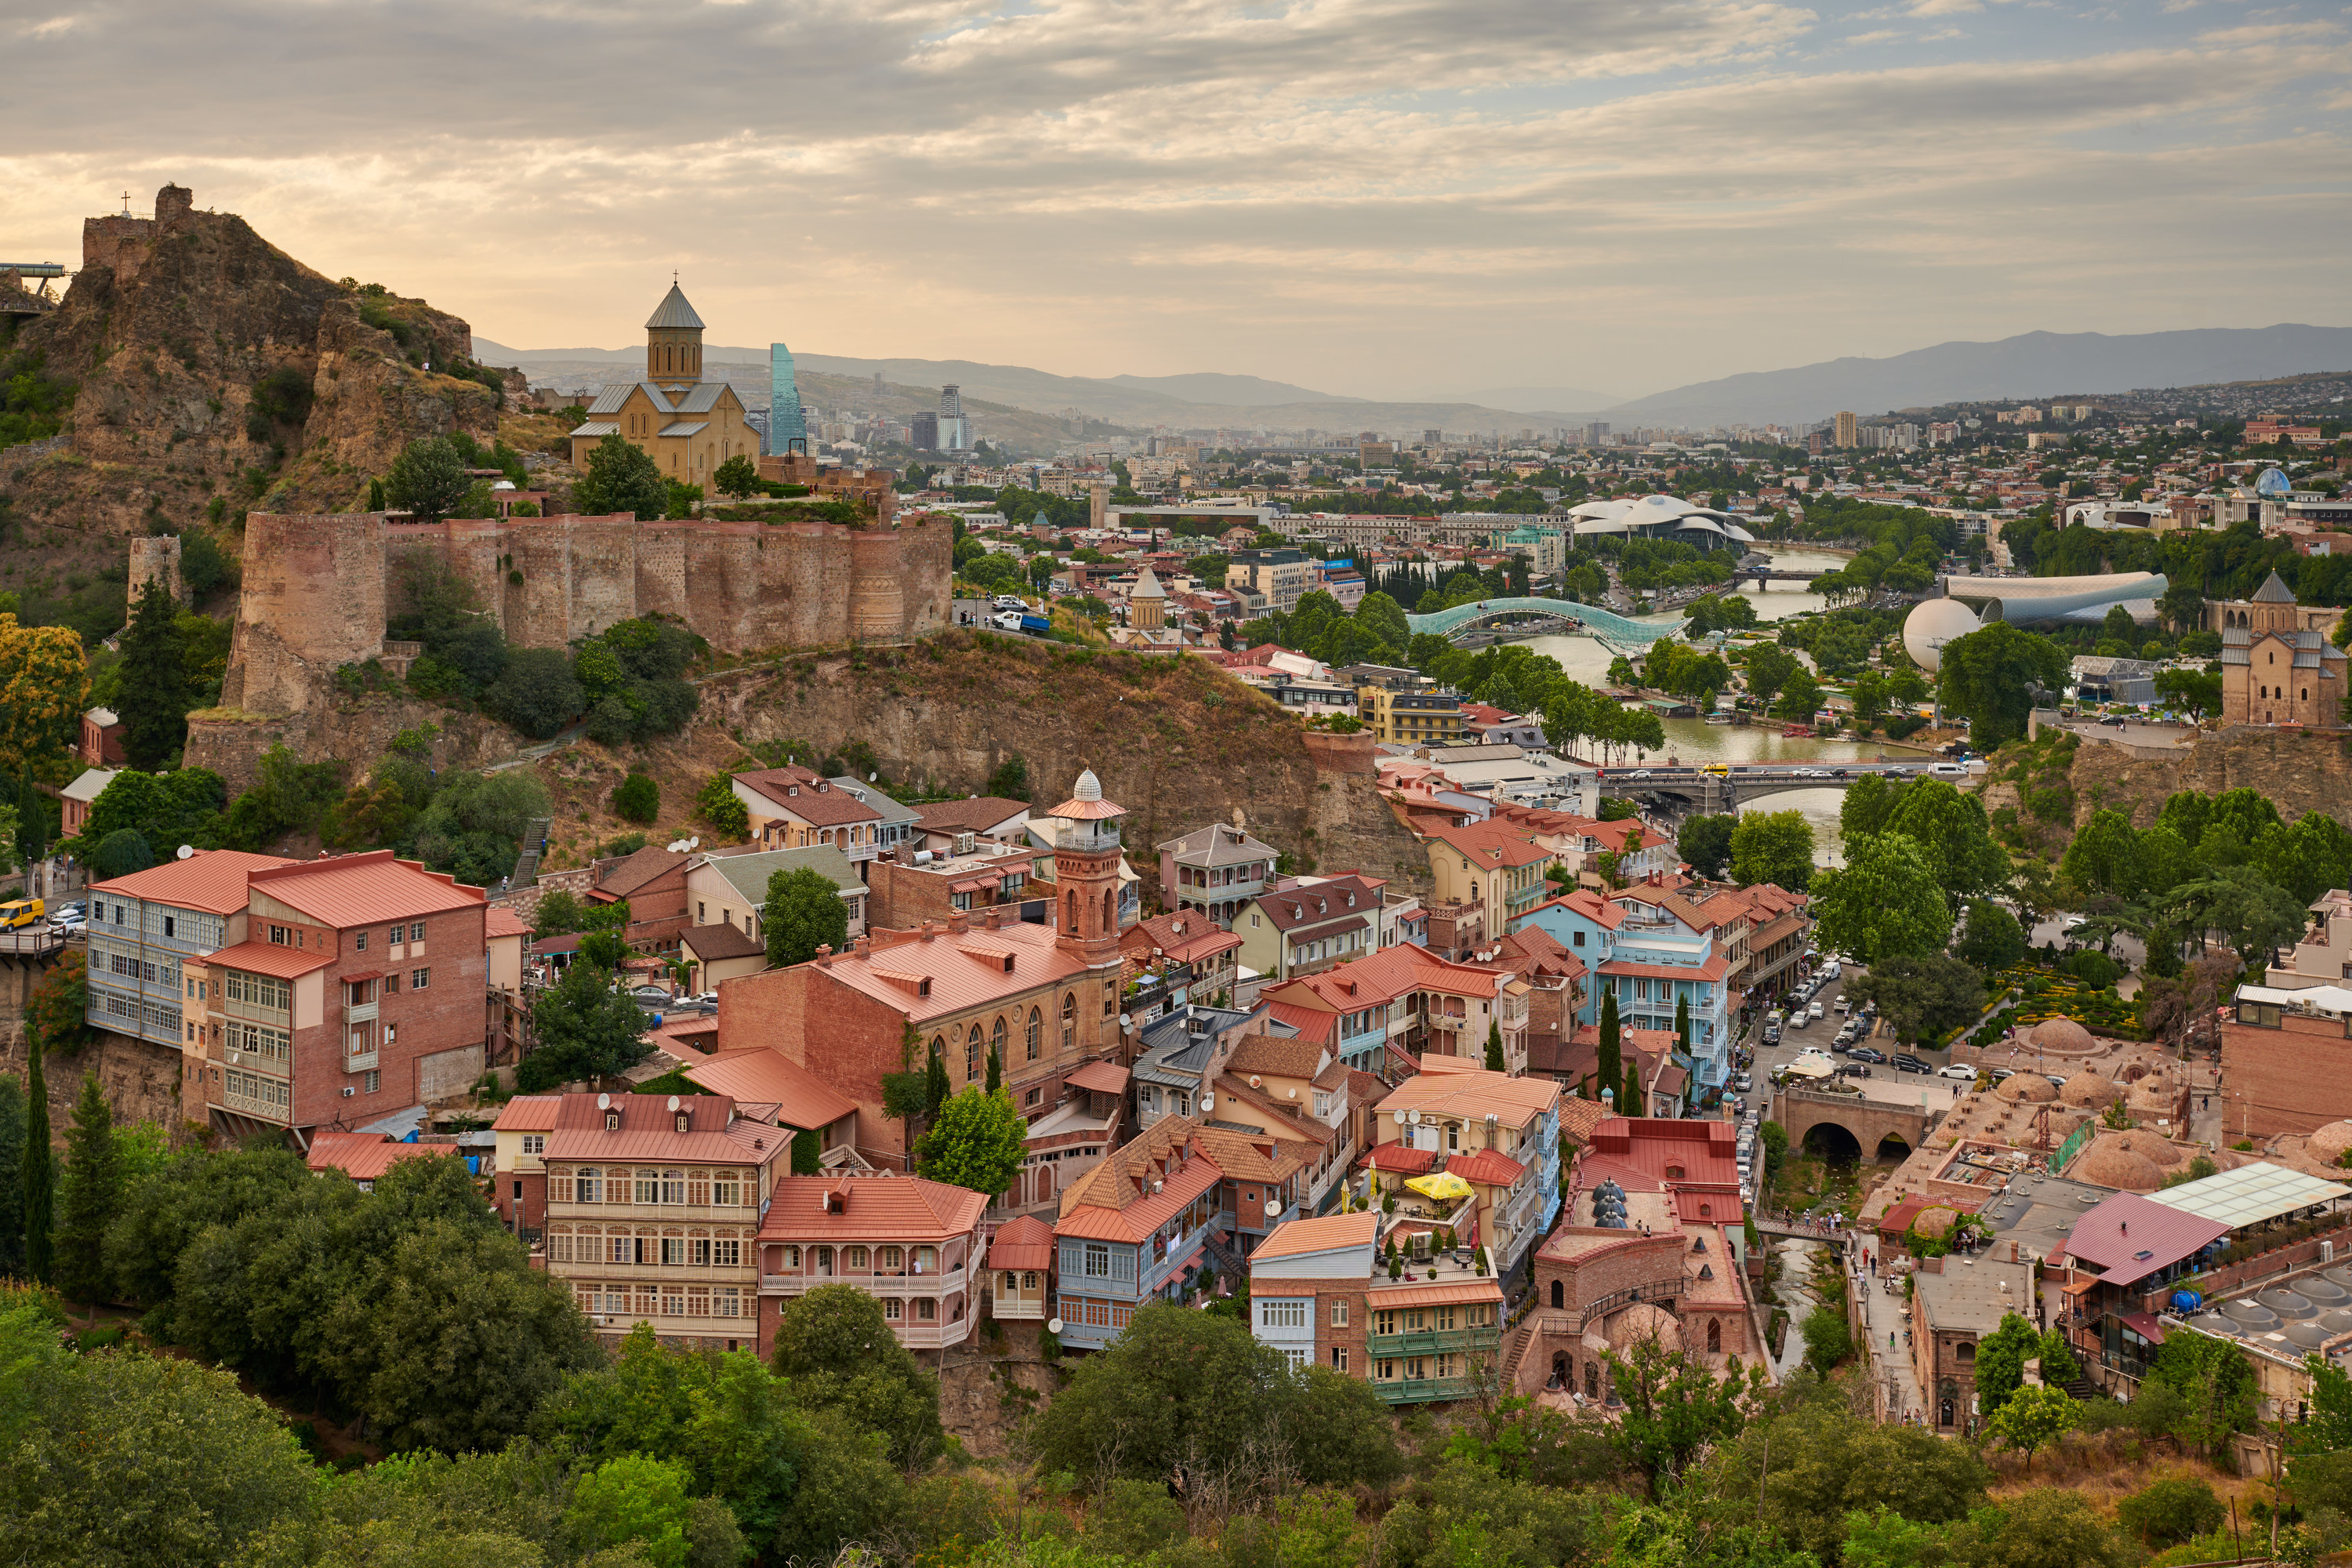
x,y
1371,195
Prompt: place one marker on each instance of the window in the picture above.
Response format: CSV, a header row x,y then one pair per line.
x,y
372,1080
927,1261
725,1190
416,932
1384,1322
1282,1314
893,1310
1339,1357
926,1311
648,1187
891,1259
1097,1262
358,941
972,1055
1069,1020
1385,1369
418,979
673,1251
1339,1314
1445,1317
1034,1096
856,1257
534,1143
1416,1368
698,1249
1036,1033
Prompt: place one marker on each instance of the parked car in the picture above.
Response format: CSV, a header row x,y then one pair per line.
x,y
1868,1054
2055,1081
1009,602
1743,1083
70,921
2002,1075
1853,1069
1956,1071
1911,1064
2112,721
1843,1007
1815,1011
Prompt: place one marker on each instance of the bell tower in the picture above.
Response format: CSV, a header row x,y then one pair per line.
x,y
1085,871
674,342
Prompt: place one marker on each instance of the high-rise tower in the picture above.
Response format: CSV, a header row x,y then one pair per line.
x,y
787,428
955,430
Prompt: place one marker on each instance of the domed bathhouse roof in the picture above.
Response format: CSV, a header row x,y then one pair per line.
x,y
2088,1090
2062,1035
2327,1145
2109,1162
2027,1089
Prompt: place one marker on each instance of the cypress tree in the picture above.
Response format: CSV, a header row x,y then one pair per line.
x,y
1611,1070
995,1069
38,1170
935,1084
89,1197
1682,1024
1495,1048
12,1176
154,683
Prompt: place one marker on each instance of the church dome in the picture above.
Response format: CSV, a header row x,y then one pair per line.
x,y
673,314
1089,788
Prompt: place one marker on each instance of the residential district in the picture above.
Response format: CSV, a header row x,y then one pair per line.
x,y
906,1153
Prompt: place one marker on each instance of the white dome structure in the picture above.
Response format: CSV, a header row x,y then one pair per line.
x,y
1661,517
1933,623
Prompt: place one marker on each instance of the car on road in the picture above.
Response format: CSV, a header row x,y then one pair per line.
x,y
1008,620
1008,602
1895,773
1958,1072
2112,721
1639,774
1838,772
1743,1083
1867,1053
2072,922
69,921
1852,1070
1903,1063
1771,1034
1815,1011
1809,773
1842,1005
2002,1075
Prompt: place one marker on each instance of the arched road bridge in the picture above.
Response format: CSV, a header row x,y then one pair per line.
x,y
1720,787
1848,1127
1589,620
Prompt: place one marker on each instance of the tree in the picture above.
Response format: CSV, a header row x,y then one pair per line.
x,y
1923,996
976,1140
2166,1512
153,699
738,476
39,1169
1494,1049
89,1197
1828,1339
803,912
537,692
1800,699
44,682
57,1013
1774,847
1951,830
2035,1417
1869,699
2046,1528
1993,939
1611,1066
2105,856
1988,677
622,479
1011,779
1817,1464
717,803
1775,1139
1682,1022
1705,843
428,478
1882,902
634,1499
585,1029
1677,1407
2191,690
2217,1389
12,1177
839,1353
637,798
2001,1356
1768,669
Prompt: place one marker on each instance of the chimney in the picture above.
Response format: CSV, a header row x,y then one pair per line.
x,y
861,944
930,929
824,955
957,923
2012,1252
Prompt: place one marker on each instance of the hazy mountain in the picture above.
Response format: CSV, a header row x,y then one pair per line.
x,y
2031,364
1541,398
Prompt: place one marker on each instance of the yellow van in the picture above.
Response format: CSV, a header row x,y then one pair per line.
x,y
1718,769
21,913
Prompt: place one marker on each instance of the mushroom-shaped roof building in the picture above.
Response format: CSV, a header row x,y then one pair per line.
x,y
1662,517
2027,1089
2088,1090
1933,623
2109,1162
1642,1320
2062,1035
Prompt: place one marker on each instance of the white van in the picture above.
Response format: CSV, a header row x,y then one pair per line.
x,y
1947,771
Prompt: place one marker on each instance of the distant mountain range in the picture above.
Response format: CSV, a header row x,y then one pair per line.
x,y
2031,364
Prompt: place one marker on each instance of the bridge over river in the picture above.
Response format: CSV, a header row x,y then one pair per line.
x,y
1469,623
1720,787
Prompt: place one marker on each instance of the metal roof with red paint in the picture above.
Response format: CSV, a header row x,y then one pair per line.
x,y
528,1113
963,972
265,958
769,1077
1022,1242
364,889
1487,1167
213,880
713,1135
364,1156
503,921
865,1208
2127,1237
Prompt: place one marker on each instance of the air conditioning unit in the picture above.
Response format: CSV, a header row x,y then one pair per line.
x,y
964,843
349,1091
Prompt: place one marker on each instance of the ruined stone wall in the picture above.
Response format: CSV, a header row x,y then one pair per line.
x,y
154,559
313,600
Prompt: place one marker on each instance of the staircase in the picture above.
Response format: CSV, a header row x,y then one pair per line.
x,y
1516,1347
1223,1258
2084,1389
534,839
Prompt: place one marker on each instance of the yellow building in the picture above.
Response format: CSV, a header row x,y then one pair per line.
x,y
1409,716
1848,432
1489,865
690,426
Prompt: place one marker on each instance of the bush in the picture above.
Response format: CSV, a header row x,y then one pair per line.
x,y
2094,968
2171,1512
717,803
638,798
1828,1339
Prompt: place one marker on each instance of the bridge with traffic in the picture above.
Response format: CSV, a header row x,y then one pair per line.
x,y
1720,786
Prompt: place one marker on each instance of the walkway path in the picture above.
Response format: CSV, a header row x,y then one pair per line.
x,y
1886,1332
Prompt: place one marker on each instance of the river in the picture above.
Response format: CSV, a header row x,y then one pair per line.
x,y
1587,660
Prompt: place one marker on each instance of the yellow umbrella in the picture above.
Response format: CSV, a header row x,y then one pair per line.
x,y
1442,1185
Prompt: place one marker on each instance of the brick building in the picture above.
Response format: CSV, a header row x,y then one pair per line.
x,y
2286,1061
102,738
2276,666
1955,1303
301,994
912,886
653,1210
1042,999
917,1247
1189,938
652,882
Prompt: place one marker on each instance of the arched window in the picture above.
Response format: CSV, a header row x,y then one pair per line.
x,y
972,1057
1036,1033
1111,912
1069,1020
1965,1353
1070,919
996,1042
939,1046
1714,1335
1044,1182
1559,1294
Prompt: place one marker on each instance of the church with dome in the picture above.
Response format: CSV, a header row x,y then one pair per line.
x,y
691,426
2277,665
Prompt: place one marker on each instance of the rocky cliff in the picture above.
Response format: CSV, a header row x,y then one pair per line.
x,y
2300,771
1175,740
210,363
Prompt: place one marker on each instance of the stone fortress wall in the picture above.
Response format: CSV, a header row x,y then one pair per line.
x,y
318,590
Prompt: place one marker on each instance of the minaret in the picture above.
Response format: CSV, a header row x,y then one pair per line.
x,y
674,342
1085,872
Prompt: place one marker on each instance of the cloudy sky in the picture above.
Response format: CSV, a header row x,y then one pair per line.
x,y
1377,198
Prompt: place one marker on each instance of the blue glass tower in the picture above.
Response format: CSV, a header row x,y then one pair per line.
x,y
787,431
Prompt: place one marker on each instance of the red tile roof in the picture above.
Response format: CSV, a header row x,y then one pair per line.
x,y
650,863
503,921
874,1208
1401,1157
1340,900
976,813
364,889
1022,1242
798,793
1487,1167
1326,1233
211,880
1102,1077
1186,935
1490,844
1319,1026
264,958
770,1078
1713,969
964,972
713,1135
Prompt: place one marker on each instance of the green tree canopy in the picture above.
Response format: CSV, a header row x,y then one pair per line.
x,y
1988,676
621,477
428,478
89,1196
1775,846
1705,843
1882,902
1923,996
586,1029
839,1353
976,1140
803,911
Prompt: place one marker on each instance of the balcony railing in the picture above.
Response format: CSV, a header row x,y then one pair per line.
x,y
684,1273
360,1061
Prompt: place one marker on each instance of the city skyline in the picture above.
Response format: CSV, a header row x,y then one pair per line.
x,y
1381,200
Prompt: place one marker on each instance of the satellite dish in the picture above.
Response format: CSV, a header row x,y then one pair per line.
x,y
1208,1102
604,1103
695,842
672,1102
1400,1116
1053,1325
185,850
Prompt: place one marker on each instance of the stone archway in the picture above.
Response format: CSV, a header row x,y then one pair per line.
x,y
1892,1149
1830,1141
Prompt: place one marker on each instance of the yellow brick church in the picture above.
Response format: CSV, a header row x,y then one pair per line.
x,y
687,425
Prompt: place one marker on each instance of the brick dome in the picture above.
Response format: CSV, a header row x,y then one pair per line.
x,y
2027,1089
1644,1321
2110,1162
2152,1146
2327,1145
2061,1034
2086,1088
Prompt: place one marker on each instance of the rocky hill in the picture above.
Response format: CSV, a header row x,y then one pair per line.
x,y
214,374
2299,772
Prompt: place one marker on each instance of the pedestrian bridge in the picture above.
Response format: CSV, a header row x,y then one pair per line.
x,y
1589,620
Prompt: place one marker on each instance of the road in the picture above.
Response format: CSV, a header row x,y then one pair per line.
x,y
1772,773
1884,1081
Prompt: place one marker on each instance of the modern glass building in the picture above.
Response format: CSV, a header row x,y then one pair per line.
x,y
787,430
